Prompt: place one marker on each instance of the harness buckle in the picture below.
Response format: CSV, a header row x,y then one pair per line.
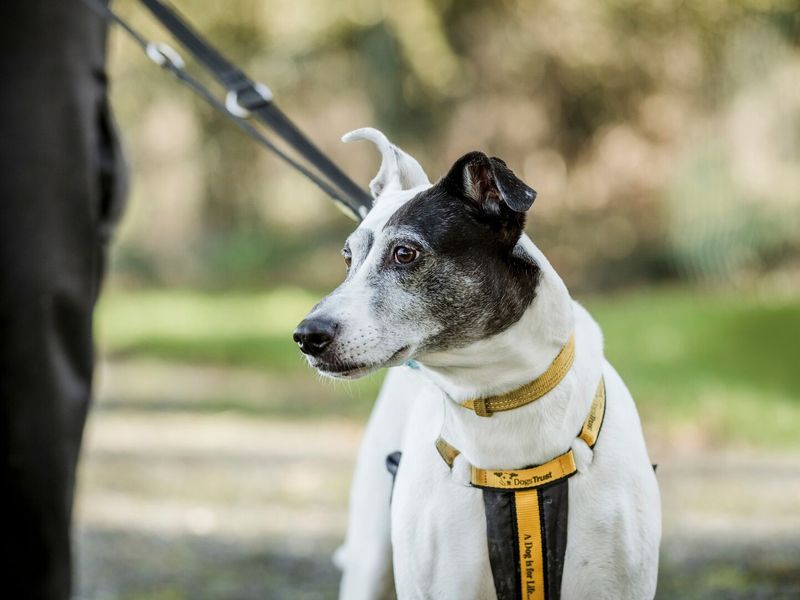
x,y
163,54
233,106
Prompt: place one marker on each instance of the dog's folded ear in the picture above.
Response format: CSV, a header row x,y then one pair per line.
x,y
489,184
398,170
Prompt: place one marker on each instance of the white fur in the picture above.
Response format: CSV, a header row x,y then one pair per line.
x,y
398,170
433,538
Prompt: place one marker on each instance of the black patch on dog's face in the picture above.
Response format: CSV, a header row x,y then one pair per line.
x,y
467,282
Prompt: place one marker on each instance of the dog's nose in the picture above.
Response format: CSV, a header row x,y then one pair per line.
x,y
314,335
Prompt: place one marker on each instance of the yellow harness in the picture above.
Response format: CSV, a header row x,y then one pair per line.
x,y
526,517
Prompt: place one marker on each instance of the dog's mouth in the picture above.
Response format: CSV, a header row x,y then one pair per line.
x,y
340,370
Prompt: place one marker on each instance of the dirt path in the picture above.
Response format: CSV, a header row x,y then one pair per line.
x,y
182,504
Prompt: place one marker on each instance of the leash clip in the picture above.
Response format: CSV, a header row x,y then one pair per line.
x,y
163,55
233,106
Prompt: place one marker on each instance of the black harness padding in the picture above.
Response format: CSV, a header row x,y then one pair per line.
x,y
501,533
392,464
554,510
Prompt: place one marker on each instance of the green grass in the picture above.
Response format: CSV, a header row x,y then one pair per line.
x,y
724,363
250,330
237,329
727,362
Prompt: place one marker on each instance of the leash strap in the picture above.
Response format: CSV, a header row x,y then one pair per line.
x,y
245,98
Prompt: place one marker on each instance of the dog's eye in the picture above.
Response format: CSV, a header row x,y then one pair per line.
x,y
404,255
348,257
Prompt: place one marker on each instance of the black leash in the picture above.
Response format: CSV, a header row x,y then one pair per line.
x,y
244,98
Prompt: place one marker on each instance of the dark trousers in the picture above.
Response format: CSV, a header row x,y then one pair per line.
x,y
60,193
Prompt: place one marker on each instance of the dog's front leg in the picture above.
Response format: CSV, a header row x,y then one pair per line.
x,y
366,557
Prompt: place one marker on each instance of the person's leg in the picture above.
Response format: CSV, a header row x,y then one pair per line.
x,y
57,199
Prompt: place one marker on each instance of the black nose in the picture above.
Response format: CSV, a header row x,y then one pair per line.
x,y
314,335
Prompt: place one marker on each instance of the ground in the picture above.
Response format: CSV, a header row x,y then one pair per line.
x,y
217,466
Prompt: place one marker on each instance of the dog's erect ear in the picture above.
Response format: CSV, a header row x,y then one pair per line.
x,y
489,184
398,171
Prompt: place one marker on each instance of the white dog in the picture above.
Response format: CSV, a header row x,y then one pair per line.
x,y
495,368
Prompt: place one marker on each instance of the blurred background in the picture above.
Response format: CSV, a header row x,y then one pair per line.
x,y
664,140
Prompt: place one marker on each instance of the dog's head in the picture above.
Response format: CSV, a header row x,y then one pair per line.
x,y
431,268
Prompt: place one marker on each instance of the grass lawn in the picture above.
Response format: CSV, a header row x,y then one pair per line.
x,y
724,363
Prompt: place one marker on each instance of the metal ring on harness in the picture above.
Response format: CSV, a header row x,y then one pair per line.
x,y
237,110
162,53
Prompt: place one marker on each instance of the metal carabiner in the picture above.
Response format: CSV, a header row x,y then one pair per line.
x,y
237,110
162,53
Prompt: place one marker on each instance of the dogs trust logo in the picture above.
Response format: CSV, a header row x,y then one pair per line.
x,y
505,478
510,479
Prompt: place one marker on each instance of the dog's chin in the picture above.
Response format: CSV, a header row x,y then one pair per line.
x,y
355,370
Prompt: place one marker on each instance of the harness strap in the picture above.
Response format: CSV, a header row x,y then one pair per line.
x,y
597,413
526,515
446,451
525,479
530,392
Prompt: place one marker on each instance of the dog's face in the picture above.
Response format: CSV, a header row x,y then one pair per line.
x,y
431,268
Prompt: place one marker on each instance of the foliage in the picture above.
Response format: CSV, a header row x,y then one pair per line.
x,y
662,136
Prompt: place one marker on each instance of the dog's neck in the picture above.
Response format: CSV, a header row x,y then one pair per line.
x,y
545,428
515,356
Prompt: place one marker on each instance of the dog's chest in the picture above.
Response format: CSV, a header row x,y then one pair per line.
x,y
438,521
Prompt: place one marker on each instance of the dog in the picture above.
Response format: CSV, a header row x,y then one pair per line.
x,y
444,287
